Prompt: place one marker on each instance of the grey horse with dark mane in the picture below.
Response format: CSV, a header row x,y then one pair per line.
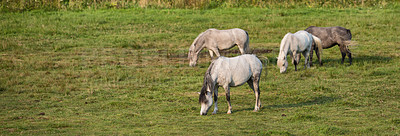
x,y
215,40
331,36
230,72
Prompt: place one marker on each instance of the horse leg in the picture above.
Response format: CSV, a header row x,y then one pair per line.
x,y
312,52
318,56
243,48
228,98
307,62
215,100
343,52
298,59
257,93
242,51
348,54
211,54
292,55
251,83
216,52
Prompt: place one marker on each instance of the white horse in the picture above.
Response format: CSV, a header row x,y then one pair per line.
x,y
230,72
295,45
215,40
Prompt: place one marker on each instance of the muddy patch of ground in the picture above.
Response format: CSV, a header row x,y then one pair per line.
x,y
174,54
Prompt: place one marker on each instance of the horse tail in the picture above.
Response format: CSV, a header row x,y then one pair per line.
x,y
348,34
265,61
246,44
348,42
318,42
207,83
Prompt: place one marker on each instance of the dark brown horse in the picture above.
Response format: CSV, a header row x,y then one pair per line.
x,y
331,36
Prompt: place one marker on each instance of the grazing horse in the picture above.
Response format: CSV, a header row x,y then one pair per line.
x,y
215,40
331,36
230,72
294,44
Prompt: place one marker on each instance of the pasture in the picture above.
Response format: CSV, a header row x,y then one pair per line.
x,y
126,72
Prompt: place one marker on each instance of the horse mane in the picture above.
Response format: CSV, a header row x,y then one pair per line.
x,y
199,40
287,39
207,83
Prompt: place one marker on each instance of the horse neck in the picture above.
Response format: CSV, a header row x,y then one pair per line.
x,y
198,48
284,49
198,42
209,82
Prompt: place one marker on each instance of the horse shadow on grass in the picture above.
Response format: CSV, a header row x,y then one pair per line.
x,y
2,89
315,101
357,60
372,59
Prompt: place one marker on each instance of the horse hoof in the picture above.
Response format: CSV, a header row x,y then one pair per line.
x,y
214,113
229,112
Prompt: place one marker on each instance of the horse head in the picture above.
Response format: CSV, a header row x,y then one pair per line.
x,y
195,48
282,64
192,56
205,97
206,102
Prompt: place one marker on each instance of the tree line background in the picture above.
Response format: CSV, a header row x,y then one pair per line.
x,y
27,5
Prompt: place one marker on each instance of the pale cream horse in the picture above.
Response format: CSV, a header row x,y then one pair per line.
x,y
215,40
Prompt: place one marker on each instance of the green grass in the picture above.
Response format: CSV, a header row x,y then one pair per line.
x,y
116,72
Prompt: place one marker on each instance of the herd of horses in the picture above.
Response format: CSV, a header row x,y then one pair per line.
x,y
247,68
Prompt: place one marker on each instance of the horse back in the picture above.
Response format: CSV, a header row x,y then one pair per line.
x,y
330,36
237,70
343,33
248,66
302,41
226,39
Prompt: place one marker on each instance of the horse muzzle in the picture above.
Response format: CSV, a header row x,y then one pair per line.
x,y
192,64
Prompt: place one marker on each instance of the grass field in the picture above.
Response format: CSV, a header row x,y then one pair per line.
x,y
125,72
